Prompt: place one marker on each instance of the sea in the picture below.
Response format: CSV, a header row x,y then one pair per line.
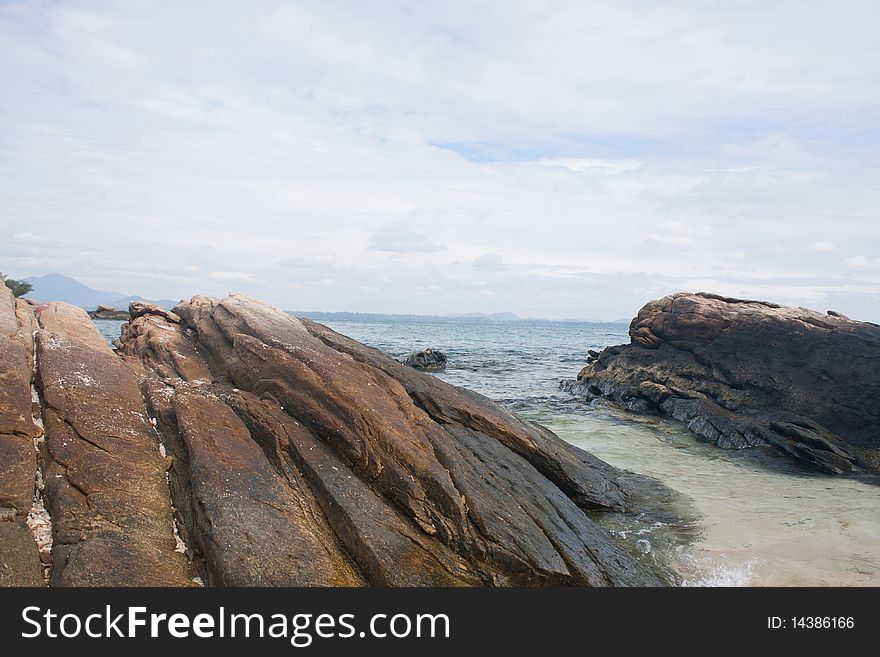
x,y
746,517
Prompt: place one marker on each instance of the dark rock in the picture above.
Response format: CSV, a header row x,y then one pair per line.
x,y
427,360
748,373
17,456
108,312
346,466
104,475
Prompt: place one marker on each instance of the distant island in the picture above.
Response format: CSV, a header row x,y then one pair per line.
x,y
58,287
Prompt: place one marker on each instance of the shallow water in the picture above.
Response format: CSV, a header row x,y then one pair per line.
x,y
761,520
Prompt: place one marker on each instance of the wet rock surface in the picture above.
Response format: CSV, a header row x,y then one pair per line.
x,y
299,456
743,374
427,360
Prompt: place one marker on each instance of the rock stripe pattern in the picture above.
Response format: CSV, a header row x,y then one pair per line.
x,y
104,477
746,374
399,478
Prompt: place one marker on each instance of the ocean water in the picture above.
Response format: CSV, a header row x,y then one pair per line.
x,y
748,518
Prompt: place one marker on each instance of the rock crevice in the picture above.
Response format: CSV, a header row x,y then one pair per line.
x,y
379,474
230,444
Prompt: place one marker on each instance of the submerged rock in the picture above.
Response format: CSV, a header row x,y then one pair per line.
x,y
748,373
427,360
303,457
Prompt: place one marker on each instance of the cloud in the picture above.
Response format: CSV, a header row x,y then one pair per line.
x,y
232,276
676,233
26,238
389,148
863,263
488,261
401,238
587,165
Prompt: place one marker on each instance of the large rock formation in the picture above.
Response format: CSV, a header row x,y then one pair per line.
x,y
229,443
299,456
748,373
105,486
19,557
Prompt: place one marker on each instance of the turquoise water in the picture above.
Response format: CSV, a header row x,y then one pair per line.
x,y
761,519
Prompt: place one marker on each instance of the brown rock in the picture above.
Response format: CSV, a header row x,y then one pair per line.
x,y
159,343
104,477
421,482
17,455
19,557
140,308
71,321
387,546
252,525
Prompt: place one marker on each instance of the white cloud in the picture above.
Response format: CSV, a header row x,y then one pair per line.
x,y
401,238
488,261
232,276
386,148
676,233
587,165
26,238
864,263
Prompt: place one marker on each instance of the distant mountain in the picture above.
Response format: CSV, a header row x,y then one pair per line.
x,y
57,287
124,301
497,317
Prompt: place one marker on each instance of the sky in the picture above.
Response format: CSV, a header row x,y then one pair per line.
x,y
552,159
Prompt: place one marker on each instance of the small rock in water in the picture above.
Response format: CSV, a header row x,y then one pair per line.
x,y
427,360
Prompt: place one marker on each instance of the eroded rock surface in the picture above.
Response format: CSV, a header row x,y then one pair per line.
x,y
748,373
299,456
19,557
105,484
